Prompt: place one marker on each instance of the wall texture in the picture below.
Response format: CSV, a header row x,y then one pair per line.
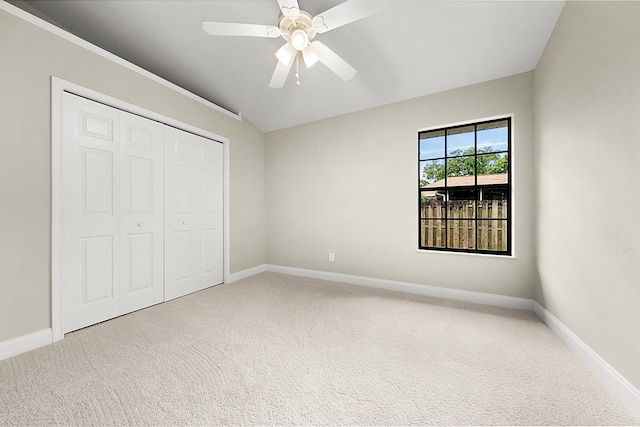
x,y
348,185
587,130
30,56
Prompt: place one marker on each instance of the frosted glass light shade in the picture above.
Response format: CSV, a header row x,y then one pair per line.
x,y
299,39
286,54
310,55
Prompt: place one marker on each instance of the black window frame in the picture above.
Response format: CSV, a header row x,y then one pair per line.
x,y
474,188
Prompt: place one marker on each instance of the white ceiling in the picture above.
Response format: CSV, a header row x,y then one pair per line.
x,y
412,48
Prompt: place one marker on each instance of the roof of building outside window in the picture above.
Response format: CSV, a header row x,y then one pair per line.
x,y
465,181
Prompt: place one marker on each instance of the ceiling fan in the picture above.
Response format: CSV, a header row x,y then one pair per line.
x,y
299,28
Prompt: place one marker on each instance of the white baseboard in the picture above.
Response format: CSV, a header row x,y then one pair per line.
x,y
25,343
239,275
616,383
413,288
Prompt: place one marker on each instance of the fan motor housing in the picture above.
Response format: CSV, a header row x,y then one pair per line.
x,y
304,22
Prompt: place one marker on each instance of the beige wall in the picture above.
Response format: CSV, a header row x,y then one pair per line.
x,y
348,185
30,56
587,127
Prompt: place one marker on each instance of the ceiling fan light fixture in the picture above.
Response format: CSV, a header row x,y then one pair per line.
x,y
299,39
298,28
285,54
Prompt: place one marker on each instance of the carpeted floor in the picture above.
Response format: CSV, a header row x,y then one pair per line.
x,y
277,349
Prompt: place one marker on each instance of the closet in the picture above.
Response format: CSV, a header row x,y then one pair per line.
x,y
142,213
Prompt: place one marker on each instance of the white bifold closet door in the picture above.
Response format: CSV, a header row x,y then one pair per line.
x,y
142,213
112,212
193,213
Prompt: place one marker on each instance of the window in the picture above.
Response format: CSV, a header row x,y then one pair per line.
x,y
464,191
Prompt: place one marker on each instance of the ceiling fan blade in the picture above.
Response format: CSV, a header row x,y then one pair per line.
x,y
334,62
280,75
345,13
236,29
290,8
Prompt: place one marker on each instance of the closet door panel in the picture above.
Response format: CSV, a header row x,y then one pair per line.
x,y
184,255
90,234
193,195
97,268
181,234
142,212
211,214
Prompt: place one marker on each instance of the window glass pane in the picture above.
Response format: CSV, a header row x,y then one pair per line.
x,y
461,171
464,208
493,136
492,235
497,192
460,141
431,172
461,234
431,196
495,164
462,193
498,209
431,145
432,233
432,207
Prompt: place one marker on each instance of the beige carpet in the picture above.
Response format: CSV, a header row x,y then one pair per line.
x,y
276,349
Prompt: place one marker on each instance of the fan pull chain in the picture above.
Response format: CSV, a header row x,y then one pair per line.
x,y
297,64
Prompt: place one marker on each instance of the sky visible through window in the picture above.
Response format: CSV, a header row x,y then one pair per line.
x,y
433,148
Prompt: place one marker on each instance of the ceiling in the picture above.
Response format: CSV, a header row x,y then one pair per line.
x,y
410,49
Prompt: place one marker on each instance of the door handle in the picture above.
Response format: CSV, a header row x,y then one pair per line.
x,y
140,224
184,222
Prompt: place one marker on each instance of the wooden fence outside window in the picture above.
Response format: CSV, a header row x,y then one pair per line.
x,y
459,217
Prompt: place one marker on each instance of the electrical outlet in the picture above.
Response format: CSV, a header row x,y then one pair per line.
x,y
331,257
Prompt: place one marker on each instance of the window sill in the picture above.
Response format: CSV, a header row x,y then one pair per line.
x,y
426,251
